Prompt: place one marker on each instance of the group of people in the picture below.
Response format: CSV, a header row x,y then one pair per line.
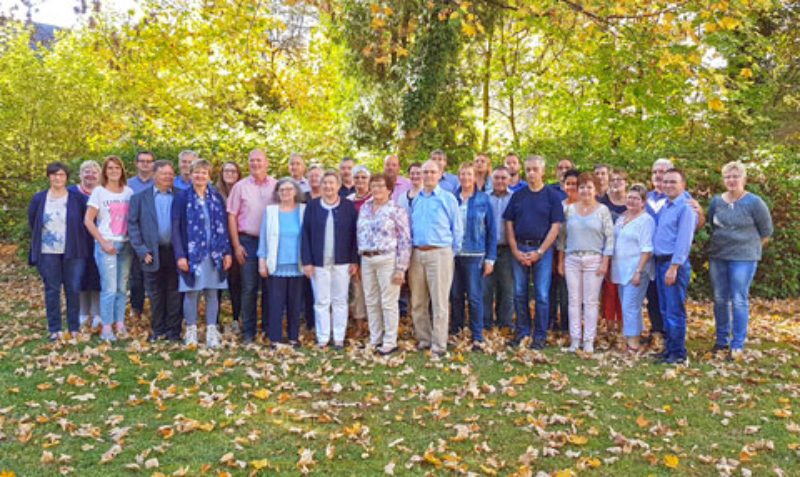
x,y
447,249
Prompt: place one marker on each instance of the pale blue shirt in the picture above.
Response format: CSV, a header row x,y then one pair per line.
x,y
435,220
163,202
499,204
137,184
675,230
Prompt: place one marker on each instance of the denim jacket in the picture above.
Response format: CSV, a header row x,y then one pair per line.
x,y
479,231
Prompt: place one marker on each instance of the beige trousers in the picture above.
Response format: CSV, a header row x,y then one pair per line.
x,y
430,276
381,296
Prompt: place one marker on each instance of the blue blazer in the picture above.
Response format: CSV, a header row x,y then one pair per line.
x,y
180,234
480,234
77,244
312,239
143,227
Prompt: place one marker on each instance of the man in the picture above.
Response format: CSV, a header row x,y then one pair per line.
x,y
514,166
141,181
672,242
185,159
500,284
150,231
656,199
603,173
533,219
563,166
246,204
346,174
436,231
144,172
447,181
391,169
297,169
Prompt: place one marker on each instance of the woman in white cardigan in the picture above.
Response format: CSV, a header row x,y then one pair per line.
x,y
279,260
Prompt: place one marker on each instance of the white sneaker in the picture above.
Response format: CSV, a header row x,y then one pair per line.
x,y
588,347
82,319
190,337
213,339
97,322
107,334
574,346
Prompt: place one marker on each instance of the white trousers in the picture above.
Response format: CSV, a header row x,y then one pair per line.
x,y
330,284
381,297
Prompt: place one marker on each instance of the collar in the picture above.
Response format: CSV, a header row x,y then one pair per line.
x,y
436,191
156,191
495,194
267,180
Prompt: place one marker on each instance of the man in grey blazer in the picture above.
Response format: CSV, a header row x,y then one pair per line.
x,y
150,230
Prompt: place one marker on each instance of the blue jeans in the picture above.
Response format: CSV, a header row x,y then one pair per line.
x,y
631,299
57,272
541,273
499,286
468,280
730,281
672,300
252,283
114,270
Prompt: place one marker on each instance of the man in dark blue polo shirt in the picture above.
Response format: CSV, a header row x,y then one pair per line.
x,y
533,219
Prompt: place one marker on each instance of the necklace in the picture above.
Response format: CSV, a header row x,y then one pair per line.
x,y
733,200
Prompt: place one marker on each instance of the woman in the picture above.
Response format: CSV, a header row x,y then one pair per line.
x,y
89,175
330,257
476,258
559,312
384,243
585,244
615,200
362,193
631,267
108,205
740,226
415,176
230,175
202,250
279,260
58,247
483,170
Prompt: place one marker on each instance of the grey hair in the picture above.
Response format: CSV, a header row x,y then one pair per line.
x,y
535,158
299,197
200,163
186,153
362,169
663,161
296,155
89,164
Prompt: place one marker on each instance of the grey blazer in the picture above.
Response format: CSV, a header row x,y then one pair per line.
x,y
143,227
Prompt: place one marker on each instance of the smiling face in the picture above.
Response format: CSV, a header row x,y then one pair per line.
x,y
330,187
415,176
379,190
144,164
430,175
658,175
587,192
634,202
563,166
314,176
89,177
113,172
441,160
481,164
391,166
571,188
230,174
466,177
500,180
346,170
601,173
513,165
362,182
185,164
672,184
286,193
297,167
164,177
534,172
259,164
734,181
58,179
617,184
200,177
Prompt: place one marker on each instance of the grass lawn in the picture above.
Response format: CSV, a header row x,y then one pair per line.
x,y
134,409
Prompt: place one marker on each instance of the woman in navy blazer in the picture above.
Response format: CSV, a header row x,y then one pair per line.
x,y
329,253
58,246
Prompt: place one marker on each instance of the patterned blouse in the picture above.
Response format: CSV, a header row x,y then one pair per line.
x,y
385,230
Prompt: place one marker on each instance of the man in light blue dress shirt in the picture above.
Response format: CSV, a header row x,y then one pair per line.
x,y
436,234
672,242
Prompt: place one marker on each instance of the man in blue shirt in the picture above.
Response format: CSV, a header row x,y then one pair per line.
x,y
150,231
436,233
533,219
447,181
514,167
141,181
185,160
672,242
500,284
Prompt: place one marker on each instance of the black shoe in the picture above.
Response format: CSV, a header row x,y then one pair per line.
x,y
477,346
538,344
646,340
294,343
675,360
718,347
247,340
516,341
386,352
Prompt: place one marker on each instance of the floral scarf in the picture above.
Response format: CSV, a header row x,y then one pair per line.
x,y
198,245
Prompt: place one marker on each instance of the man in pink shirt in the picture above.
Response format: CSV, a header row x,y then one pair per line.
x,y
391,168
247,202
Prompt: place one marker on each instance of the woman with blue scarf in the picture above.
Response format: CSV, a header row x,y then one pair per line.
x,y
202,250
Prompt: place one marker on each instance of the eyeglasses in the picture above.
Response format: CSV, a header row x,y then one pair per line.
x,y
618,179
145,161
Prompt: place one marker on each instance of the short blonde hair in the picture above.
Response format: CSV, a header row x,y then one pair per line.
x,y
735,166
200,164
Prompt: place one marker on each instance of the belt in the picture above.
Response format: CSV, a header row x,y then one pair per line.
x,y
529,243
502,245
663,258
242,234
426,248
372,253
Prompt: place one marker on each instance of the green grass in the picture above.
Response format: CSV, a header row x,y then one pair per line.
x,y
563,403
